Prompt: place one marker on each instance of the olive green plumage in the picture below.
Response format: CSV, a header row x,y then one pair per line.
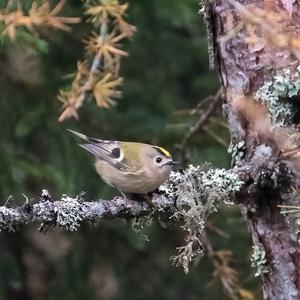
x,y
130,167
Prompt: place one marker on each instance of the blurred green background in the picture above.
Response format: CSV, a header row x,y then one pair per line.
x,y
165,74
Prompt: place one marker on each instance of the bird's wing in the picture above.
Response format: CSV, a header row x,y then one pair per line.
x,y
108,151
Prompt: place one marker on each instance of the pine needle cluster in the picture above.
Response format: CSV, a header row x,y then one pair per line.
x,y
15,17
98,74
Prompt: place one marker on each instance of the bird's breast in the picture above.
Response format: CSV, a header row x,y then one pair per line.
x,y
138,183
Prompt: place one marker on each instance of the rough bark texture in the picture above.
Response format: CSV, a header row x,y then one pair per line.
x,y
242,72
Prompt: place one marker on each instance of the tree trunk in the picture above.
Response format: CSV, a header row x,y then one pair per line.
x,y
243,68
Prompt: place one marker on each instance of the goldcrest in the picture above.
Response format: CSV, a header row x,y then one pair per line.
x,y
130,167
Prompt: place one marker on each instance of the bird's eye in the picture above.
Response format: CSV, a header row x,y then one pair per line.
x,y
158,160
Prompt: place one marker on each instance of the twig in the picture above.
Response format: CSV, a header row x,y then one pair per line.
x,y
210,226
213,102
97,60
86,87
94,67
216,137
98,75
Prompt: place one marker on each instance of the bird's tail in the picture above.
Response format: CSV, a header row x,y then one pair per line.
x,y
80,135
88,138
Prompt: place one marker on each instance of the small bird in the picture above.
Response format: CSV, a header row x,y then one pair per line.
x,y
133,168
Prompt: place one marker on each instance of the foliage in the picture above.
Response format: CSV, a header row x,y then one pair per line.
x,y
99,72
13,16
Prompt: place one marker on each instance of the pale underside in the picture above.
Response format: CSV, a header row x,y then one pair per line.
x,y
140,182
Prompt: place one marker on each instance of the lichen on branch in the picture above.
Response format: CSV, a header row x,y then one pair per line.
x,y
259,261
69,212
198,193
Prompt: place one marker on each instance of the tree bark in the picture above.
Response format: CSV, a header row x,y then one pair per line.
x,y
242,71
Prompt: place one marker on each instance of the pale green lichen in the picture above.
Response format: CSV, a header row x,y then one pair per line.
x,y
5,211
274,95
202,7
237,151
198,193
293,219
259,261
140,226
5,215
69,214
224,180
141,223
194,179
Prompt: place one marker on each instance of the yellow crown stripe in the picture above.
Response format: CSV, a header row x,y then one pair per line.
x,y
164,151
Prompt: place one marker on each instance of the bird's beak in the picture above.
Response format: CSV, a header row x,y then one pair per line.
x,y
172,163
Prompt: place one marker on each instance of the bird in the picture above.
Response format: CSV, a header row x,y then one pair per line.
x,y
130,167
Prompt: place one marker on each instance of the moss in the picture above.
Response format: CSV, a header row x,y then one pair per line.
x,y
274,94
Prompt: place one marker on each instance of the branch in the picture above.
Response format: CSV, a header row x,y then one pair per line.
x,y
70,212
189,198
186,193
192,193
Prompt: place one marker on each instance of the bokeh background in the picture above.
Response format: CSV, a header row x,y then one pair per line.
x,y
165,76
